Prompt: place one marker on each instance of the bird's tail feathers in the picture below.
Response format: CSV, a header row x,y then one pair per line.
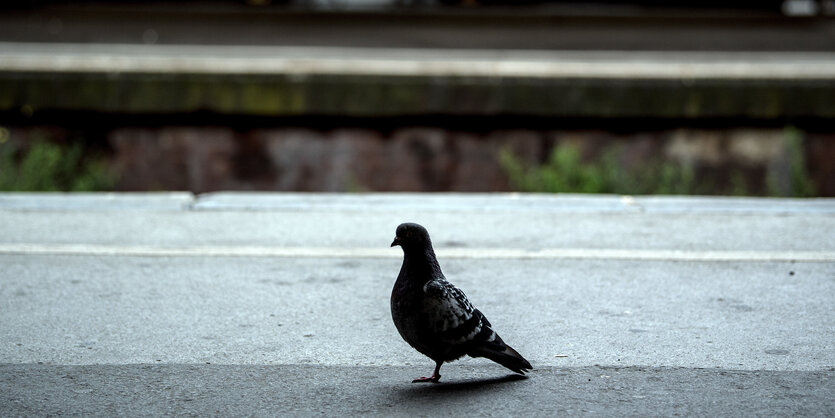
x,y
504,355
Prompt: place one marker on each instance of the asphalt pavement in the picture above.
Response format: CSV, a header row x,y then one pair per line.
x,y
277,304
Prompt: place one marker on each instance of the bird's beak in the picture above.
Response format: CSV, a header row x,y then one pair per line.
x,y
395,242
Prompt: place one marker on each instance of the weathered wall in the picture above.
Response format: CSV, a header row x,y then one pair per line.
x,y
413,159
755,161
434,159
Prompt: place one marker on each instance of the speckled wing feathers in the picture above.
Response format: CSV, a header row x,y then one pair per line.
x,y
451,315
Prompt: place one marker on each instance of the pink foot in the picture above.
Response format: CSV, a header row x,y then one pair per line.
x,y
436,374
432,379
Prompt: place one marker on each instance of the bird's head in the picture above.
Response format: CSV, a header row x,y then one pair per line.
x,y
411,235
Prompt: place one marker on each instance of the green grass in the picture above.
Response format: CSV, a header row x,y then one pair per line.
x,y
46,167
566,172
797,182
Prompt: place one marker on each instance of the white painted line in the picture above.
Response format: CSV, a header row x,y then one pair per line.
x,y
395,62
460,253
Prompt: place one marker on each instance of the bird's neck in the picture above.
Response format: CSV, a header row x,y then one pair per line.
x,y
423,262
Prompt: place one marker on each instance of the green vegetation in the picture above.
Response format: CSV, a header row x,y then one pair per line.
x,y
796,182
46,167
567,172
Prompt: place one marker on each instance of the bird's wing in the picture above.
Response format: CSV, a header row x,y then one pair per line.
x,y
454,321
451,316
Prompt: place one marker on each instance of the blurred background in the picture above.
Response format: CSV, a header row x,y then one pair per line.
x,y
633,97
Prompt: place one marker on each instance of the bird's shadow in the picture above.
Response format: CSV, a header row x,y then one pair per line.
x,y
458,386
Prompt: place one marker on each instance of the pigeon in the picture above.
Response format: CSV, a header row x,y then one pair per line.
x,y
435,317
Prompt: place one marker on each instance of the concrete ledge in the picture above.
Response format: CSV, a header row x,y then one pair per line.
x,y
444,202
95,201
301,62
385,82
511,202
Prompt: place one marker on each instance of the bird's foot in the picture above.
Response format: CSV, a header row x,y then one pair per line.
x,y
431,379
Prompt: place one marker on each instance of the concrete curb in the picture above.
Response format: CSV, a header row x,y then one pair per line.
x,y
447,202
370,82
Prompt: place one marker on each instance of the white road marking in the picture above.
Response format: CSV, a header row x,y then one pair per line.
x,y
460,253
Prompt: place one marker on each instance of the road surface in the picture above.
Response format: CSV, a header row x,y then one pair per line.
x,y
270,304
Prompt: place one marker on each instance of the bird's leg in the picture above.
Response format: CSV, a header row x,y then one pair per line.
x,y
436,375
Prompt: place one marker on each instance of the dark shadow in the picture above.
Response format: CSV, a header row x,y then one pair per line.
x,y
459,386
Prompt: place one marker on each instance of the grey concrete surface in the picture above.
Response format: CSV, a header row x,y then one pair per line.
x,y
305,390
96,201
262,304
366,221
413,62
334,311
